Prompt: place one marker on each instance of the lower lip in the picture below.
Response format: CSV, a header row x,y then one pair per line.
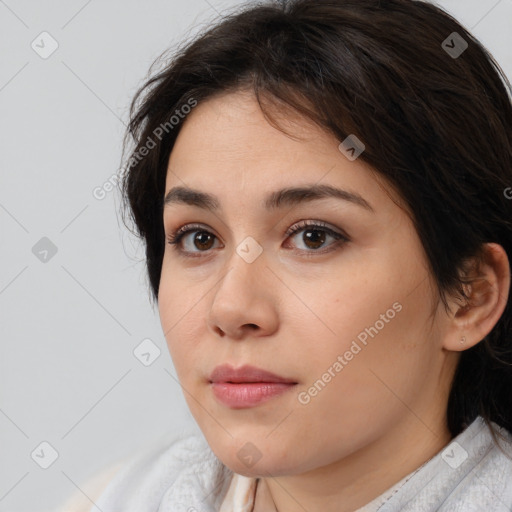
x,y
248,394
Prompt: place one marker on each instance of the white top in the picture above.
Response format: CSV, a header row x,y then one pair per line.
x,y
242,491
470,474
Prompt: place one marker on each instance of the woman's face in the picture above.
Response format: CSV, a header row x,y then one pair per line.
x,y
339,309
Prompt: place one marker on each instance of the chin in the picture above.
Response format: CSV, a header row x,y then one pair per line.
x,y
246,459
259,469
248,450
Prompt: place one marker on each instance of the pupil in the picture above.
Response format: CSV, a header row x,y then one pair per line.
x,y
202,238
316,240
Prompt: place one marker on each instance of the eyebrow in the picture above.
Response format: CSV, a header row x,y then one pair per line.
x,y
275,200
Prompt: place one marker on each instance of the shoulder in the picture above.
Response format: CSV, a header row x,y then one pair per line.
x,y
489,483
181,468
477,473
470,474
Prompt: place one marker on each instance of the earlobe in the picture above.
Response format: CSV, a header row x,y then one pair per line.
x,y
487,293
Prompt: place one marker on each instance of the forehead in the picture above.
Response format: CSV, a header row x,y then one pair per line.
x,y
227,145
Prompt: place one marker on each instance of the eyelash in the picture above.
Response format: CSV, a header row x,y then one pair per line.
x,y
175,238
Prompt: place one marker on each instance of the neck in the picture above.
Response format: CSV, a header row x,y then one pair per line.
x,y
356,480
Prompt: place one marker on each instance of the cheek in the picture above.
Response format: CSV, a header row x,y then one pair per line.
x,y
382,351
182,316
367,323
344,305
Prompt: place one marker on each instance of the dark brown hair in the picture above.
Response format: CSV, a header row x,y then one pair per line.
x,y
436,125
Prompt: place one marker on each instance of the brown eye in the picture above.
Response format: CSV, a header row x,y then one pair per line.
x,y
314,238
314,235
203,240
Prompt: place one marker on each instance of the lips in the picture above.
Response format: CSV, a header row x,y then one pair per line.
x,y
245,374
247,386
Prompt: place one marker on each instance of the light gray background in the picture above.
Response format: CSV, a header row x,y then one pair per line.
x,y
69,325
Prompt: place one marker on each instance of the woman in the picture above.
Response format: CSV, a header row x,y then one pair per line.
x,y
323,189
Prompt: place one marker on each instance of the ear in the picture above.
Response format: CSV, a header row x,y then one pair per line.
x,y
470,322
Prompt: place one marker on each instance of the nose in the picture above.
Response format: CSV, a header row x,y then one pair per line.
x,y
244,302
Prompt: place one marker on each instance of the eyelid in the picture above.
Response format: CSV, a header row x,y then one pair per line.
x,y
302,225
190,227
176,237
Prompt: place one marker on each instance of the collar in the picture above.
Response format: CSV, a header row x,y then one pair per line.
x,y
436,483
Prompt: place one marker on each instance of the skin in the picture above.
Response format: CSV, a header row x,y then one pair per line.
x,y
293,311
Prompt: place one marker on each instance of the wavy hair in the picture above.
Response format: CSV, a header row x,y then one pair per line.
x,y
433,109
